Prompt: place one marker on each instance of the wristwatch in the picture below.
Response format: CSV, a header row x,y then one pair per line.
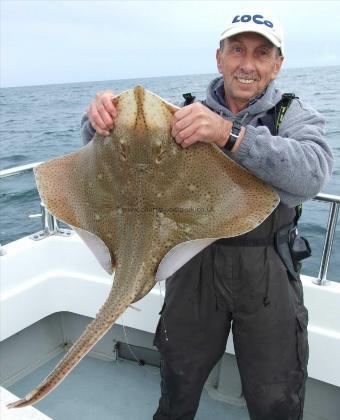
x,y
233,136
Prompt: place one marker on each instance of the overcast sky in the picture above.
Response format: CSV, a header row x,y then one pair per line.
x,y
52,41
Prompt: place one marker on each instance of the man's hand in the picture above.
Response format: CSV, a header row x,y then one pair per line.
x,y
196,122
102,112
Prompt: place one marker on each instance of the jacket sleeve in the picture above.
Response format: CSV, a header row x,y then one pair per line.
x,y
86,129
297,162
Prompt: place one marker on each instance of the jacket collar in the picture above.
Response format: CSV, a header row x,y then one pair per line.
x,y
265,101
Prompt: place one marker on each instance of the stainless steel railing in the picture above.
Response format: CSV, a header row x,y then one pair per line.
x,y
50,223
334,201
18,169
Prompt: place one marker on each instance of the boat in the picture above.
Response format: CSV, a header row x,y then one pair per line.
x,y
51,288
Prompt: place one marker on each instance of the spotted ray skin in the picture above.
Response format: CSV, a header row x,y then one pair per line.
x,y
142,195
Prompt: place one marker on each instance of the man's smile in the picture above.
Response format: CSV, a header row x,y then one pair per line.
x,y
246,80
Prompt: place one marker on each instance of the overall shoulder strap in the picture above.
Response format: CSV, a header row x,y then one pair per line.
x,y
188,98
274,116
282,107
273,120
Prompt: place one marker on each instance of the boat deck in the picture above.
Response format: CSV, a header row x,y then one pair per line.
x,y
103,390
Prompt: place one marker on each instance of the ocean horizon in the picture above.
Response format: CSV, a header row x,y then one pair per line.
x,y
150,77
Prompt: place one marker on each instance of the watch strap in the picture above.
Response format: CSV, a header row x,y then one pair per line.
x,y
233,136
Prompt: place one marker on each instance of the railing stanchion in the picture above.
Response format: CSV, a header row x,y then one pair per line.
x,y
327,249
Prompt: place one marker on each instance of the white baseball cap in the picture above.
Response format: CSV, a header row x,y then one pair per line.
x,y
263,23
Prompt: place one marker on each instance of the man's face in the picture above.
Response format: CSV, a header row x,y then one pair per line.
x,y
247,62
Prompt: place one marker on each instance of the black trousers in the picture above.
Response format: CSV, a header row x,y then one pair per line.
x,y
249,290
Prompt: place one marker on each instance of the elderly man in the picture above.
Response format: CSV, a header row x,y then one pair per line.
x,y
250,283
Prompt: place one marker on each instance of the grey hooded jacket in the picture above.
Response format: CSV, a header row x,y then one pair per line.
x,y
296,163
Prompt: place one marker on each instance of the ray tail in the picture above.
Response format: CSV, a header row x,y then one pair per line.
x,y
116,303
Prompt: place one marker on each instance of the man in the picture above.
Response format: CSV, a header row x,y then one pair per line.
x,y
241,283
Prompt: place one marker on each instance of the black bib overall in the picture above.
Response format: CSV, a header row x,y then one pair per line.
x,y
239,283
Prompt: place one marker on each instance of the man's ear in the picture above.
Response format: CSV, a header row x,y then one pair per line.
x,y
218,59
277,67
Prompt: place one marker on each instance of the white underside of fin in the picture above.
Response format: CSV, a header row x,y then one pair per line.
x,y
179,255
171,262
98,248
